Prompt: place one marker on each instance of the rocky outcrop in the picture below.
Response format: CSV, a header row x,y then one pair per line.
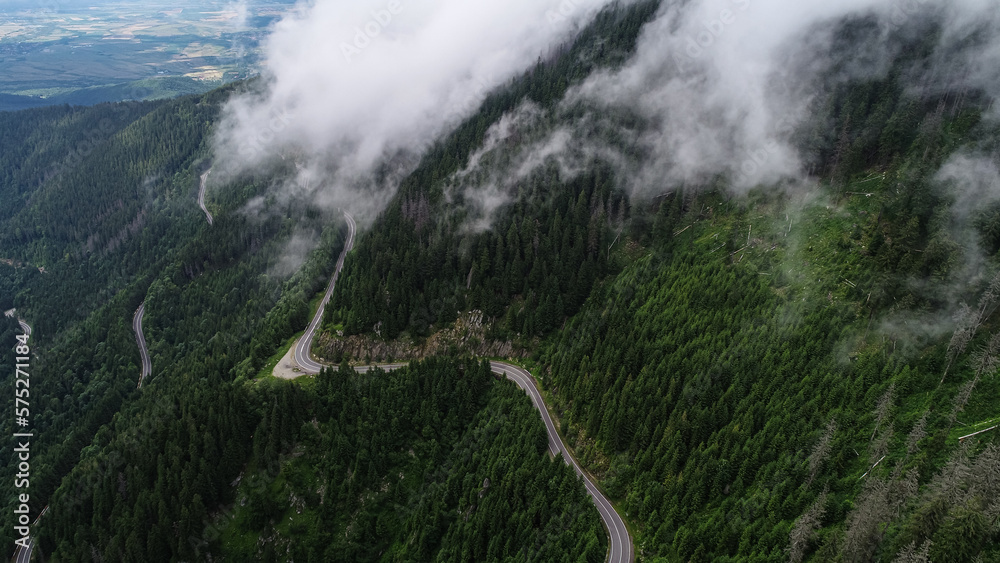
x,y
466,337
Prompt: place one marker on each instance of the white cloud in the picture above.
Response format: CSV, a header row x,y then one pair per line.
x,y
349,83
239,11
974,182
719,86
723,84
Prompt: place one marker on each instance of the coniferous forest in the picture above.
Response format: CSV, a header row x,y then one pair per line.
x,y
768,374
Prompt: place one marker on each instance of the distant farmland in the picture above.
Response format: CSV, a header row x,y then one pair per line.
x,y
47,56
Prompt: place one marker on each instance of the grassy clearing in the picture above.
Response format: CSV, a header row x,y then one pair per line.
x,y
960,431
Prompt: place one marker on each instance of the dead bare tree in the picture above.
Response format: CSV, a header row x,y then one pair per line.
x,y
917,433
949,483
804,530
960,401
969,321
879,502
986,360
988,302
821,451
884,407
914,554
877,449
967,481
965,478
882,500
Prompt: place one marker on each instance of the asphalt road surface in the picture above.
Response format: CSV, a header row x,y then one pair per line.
x,y
302,355
23,555
201,196
24,326
140,339
620,549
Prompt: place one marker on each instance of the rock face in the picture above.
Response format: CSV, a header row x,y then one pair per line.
x,y
466,336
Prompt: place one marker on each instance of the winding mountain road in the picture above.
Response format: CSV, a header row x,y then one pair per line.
x,y
23,554
24,326
620,548
201,195
303,357
140,339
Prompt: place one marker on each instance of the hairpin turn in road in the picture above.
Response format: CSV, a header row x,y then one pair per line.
x,y
140,338
201,196
620,548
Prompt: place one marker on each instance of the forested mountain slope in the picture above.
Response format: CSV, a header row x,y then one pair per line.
x,y
99,214
430,265
437,461
754,377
